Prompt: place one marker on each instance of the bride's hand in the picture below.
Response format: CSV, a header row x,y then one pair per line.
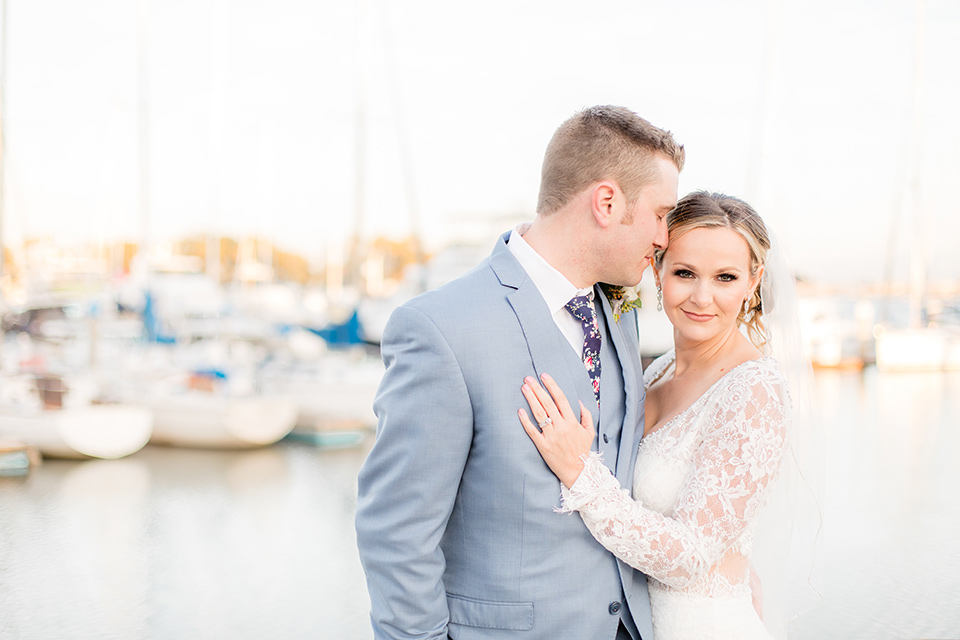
x,y
563,439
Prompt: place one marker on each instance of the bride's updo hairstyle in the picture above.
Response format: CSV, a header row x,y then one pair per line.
x,y
706,209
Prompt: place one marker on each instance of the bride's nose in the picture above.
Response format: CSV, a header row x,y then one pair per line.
x,y
701,295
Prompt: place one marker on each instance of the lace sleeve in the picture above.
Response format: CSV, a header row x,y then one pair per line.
x,y
738,457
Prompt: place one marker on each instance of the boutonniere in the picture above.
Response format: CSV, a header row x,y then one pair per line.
x,y
622,299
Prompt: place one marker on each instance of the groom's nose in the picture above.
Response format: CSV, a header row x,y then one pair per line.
x,y
661,238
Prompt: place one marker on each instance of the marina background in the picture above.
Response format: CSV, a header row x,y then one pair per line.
x,y
211,202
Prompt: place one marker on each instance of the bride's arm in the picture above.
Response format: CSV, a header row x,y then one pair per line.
x,y
738,457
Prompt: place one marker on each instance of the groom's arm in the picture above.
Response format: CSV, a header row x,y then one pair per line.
x,y
409,482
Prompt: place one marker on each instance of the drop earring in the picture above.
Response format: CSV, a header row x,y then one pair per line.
x,y
659,298
746,306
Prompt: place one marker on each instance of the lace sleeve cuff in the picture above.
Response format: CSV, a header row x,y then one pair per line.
x,y
594,481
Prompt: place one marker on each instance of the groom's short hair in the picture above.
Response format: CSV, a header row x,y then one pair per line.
x,y
603,143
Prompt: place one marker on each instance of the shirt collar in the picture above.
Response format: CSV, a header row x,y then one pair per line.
x,y
553,285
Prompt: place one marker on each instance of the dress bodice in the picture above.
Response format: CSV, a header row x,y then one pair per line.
x,y
699,482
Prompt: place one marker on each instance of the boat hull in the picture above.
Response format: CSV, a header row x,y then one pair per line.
x,y
96,431
220,423
918,350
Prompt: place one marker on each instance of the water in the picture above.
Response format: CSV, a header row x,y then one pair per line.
x,y
892,508
172,543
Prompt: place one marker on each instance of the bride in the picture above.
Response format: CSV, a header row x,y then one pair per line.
x,y
717,415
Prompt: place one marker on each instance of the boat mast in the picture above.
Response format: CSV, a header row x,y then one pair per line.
x,y
905,203
217,111
917,275
758,147
357,255
403,143
143,10
354,272
3,140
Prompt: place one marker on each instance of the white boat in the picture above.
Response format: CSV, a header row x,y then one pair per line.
x,y
204,420
333,393
326,399
922,349
94,431
60,419
837,328
201,395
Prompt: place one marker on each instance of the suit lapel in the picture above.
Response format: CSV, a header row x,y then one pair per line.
x,y
629,361
548,349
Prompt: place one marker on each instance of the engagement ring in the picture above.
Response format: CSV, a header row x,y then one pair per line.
x,y
544,423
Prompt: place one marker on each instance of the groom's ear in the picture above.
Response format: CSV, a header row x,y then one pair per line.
x,y
603,200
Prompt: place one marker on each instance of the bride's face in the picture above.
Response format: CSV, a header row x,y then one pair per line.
x,y
705,278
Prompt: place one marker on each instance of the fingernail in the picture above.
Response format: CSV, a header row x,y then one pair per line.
x,y
544,376
525,387
528,379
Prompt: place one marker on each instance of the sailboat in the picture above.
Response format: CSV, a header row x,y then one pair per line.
x,y
91,431
922,345
922,349
60,420
41,412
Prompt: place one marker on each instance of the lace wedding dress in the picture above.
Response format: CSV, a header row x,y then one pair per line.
x,y
700,481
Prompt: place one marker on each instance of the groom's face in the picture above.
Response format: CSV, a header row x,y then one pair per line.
x,y
642,226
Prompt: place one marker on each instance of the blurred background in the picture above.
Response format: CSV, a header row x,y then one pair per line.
x,y
208,210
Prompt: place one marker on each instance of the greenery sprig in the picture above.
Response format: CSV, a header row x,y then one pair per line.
x,y
622,299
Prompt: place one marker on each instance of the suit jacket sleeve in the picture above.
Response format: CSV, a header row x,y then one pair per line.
x,y
409,482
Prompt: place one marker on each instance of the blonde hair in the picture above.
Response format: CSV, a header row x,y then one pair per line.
x,y
705,209
602,143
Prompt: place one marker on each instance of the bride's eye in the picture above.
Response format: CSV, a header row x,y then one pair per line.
x,y
683,273
727,277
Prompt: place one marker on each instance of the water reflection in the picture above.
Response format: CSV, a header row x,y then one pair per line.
x,y
891,558
71,555
176,543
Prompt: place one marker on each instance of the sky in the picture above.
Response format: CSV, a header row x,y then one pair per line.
x,y
817,112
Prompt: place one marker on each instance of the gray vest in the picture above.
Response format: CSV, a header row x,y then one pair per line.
x,y
612,398
613,402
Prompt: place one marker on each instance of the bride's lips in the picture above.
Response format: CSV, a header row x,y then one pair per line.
x,y
698,317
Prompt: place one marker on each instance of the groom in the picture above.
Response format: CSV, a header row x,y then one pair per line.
x,y
455,514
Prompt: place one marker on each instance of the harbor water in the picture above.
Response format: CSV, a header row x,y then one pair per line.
x,y
176,543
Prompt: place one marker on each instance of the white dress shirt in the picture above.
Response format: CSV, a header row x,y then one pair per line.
x,y
556,290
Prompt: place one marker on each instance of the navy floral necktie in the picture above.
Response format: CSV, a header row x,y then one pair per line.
x,y
581,308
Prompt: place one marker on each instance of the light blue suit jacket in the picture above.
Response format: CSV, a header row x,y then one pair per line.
x,y
455,514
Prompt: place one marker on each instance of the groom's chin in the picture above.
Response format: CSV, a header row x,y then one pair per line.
x,y
643,272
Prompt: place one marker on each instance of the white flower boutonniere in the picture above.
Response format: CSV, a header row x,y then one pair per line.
x,y
622,299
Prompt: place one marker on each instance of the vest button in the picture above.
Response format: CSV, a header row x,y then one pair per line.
x,y
606,439
614,608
